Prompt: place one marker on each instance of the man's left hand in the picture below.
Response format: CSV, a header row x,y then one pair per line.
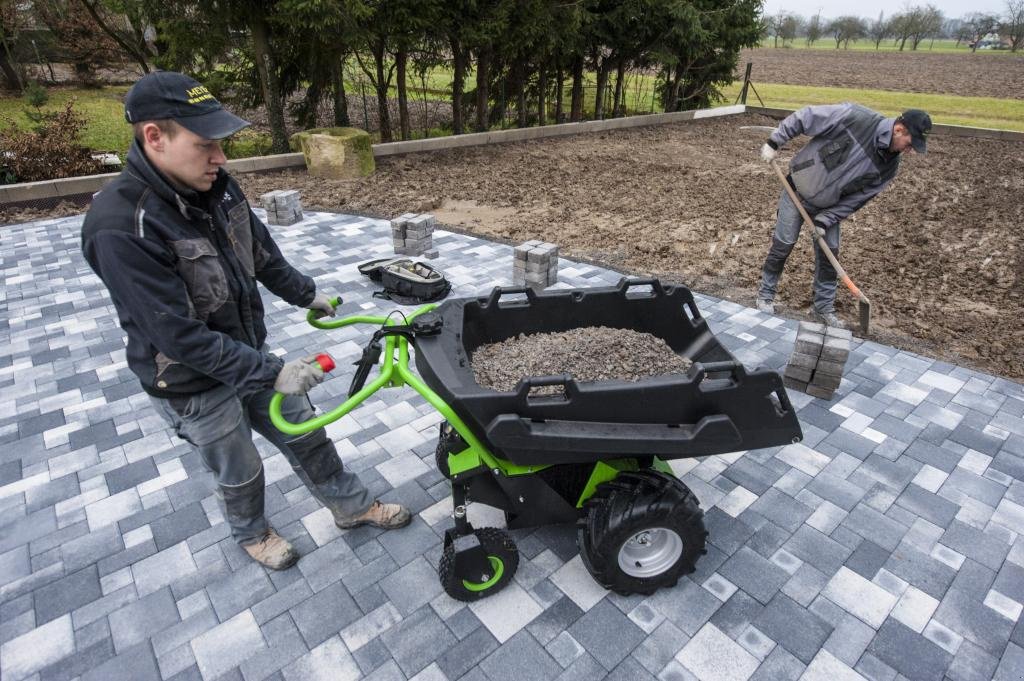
x,y
321,305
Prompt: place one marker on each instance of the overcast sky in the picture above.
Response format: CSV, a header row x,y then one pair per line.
x,y
952,9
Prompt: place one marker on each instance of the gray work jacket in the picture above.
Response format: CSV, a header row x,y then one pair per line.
x,y
846,163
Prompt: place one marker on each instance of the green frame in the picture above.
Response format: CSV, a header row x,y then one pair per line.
x,y
395,373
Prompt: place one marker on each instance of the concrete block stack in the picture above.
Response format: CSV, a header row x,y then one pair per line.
x,y
818,359
413,234
283,207
535,264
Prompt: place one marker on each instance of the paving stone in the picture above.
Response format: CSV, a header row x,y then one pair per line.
x,y
859,597
687,605
799,631
418,640
660,647
826,667
330,661
179,525
227,645
867,559
974,621
924,572
131,475
713,656
325,614
25,655
755,575
456,661
606,634
163,568
909,653
779,666
411,586
134,664
142,619
65,595
813,547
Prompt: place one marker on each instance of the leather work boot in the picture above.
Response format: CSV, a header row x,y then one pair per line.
x,y
830,319
272,550
765,305
387,516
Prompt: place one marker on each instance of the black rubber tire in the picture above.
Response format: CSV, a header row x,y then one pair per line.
x,y
499,546
627,505
445,437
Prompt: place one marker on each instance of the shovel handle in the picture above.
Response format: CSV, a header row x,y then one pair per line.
x,y
822,246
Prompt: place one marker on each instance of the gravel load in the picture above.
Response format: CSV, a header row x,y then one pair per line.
x,y
593,353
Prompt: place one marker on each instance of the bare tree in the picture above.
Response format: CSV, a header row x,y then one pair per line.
x,y
846,29
815,29
879,30
927,22
790,26
1014,24
976,26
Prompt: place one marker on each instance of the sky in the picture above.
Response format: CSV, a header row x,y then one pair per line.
x,y
952,9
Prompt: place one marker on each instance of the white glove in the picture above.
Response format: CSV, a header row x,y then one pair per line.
x,y
298,376
767,153
321,305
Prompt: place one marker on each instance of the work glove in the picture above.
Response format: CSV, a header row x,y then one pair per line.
x,y
768,153
298,376
321,305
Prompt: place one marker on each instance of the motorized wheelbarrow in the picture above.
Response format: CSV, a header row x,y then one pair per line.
x,y
591,453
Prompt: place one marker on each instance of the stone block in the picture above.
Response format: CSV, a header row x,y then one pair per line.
x,y
826,381
803,360
338,153
831,368
430,253
835,349
799,373
818,391
808,343
794,384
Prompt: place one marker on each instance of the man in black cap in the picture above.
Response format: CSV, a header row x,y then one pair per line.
x,y
853,155
181,253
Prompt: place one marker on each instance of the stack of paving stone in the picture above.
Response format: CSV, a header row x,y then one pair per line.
x,y
819,356
413,234
283,207
535,265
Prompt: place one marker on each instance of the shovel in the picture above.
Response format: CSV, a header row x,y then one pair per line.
x,y
819,237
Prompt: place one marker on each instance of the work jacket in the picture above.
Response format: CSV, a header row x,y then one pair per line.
x,y
182,269
845,165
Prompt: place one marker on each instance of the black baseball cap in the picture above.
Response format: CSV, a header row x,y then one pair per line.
x,y
165,95
919,125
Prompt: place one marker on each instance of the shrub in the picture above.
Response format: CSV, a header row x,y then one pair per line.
x,y
51,150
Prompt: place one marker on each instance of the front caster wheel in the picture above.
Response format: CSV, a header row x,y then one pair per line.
x,y
642,531
502,555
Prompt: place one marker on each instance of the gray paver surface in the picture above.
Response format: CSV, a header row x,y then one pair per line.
x,y
885,546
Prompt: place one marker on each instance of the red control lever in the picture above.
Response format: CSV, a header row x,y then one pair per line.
x,y
326,362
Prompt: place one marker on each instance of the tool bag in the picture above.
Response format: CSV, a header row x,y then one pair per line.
x,y
405,281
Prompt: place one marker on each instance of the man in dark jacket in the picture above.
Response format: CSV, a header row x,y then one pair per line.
x,y
853,155
180,251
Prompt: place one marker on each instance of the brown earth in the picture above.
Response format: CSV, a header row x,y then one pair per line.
x,y
939,252
982,74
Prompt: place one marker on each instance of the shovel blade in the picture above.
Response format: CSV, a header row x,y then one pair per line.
x,y
865,316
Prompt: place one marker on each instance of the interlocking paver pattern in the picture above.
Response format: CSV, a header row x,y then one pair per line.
x,y
886,545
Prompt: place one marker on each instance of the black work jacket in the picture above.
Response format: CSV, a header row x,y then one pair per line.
x,y
182,269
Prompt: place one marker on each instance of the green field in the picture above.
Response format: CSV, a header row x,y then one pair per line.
x,y
106,129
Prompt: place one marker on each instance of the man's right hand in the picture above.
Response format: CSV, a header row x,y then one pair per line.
x,y
298,376
768,154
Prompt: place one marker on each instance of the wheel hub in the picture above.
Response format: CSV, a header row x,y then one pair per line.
x,y
650,552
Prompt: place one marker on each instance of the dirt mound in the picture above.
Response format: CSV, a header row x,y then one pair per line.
x,y
939,252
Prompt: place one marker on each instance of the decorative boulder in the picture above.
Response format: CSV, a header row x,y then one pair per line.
x,y
337,153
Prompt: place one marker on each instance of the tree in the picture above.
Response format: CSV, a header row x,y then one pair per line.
x,y
815,29
879,30
1013,25
927,22
791,25
75,30
9,26
976,26
846,29
122,21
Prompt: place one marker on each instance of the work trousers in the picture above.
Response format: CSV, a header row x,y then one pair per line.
x,y
219,424
787,232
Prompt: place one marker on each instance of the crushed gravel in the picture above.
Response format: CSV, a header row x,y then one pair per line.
x,y
594,353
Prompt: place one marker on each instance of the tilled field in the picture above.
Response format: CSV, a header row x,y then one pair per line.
x,y
982,74
939,252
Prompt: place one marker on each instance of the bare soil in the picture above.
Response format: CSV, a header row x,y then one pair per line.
x,y
982,74
939,252
595,353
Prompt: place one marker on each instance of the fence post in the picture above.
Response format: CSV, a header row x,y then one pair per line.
x,y
746,83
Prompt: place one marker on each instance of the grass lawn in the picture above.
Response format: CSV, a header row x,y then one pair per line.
x,y
978,112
